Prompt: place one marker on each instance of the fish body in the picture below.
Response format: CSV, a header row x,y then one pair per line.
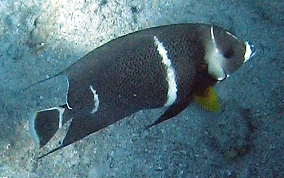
x,y
163,66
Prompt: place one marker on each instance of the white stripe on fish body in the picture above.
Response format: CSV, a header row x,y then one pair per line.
x,y
214,58
171,77
96,100
68,85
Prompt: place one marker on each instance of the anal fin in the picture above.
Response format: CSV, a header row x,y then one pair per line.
x,y
172,111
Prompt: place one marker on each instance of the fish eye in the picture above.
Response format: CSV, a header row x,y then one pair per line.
x,y
229,53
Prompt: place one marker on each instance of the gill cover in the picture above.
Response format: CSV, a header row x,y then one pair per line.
x,y
225,53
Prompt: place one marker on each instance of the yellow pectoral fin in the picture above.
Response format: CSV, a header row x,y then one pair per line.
x,y
208,100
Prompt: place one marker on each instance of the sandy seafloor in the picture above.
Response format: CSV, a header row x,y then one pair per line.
x,y
39,38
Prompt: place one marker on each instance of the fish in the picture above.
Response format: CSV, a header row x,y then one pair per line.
x,y
166,66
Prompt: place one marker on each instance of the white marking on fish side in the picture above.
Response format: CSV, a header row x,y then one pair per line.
x,y
212,34
171,77
68,106
96,100
214,58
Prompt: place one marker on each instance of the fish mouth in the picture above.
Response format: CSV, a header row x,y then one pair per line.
x,y
250,51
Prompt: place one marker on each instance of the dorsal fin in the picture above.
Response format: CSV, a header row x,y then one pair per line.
x,y
41,81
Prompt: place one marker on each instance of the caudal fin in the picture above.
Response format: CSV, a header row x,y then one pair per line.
x,y
45,123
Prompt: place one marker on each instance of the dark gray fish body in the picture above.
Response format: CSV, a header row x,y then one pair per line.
x,y
152,68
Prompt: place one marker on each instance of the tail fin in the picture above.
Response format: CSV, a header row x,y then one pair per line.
x,y
45,123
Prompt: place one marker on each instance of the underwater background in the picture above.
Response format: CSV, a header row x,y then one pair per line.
x,y
39,38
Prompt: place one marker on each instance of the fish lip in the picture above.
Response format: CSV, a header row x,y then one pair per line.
x,y
252,48
250,51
